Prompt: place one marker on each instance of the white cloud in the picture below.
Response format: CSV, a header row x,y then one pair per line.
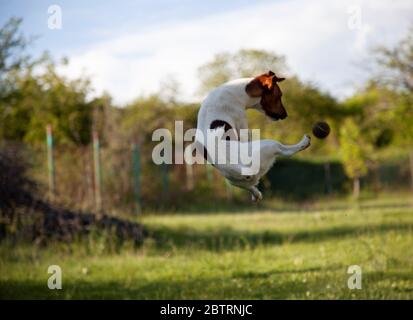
x,y
313,35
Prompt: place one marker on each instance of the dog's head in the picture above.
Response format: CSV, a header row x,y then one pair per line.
x,y
266,87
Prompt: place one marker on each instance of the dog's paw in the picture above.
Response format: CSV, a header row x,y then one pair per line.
x,y
306,142
256,197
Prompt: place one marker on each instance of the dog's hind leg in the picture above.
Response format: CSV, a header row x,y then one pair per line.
x,y
289,150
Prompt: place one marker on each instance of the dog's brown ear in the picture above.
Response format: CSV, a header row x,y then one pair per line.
x,y
254,89
257,86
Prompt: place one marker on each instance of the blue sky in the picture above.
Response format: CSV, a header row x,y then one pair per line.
x,y
130,48
86,21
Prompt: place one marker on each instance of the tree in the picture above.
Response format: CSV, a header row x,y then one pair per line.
x,y
29,99
381,112
48,98
354,153
244,63
12,47
396,64
395,67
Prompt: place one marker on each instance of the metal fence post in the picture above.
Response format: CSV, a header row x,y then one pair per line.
x,y
165,182
137,175
50,162
98,171
228,187
209,172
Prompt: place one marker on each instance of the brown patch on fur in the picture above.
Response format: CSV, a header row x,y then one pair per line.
x,y
266,87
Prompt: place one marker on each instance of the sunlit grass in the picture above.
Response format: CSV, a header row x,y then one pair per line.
x,y
302,254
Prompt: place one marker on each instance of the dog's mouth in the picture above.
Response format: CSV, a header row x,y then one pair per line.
x,y
276,116
274,110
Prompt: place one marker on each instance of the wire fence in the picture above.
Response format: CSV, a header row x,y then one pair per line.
x,y
119,180
122,179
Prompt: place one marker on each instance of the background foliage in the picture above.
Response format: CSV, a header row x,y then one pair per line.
x,y
369,130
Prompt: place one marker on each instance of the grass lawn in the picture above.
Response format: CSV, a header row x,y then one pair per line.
x,y
262,254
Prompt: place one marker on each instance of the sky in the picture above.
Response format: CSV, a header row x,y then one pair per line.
x,y
132,48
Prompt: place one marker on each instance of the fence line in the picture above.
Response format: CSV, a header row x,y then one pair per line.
x,y
87,180
124,179
137,175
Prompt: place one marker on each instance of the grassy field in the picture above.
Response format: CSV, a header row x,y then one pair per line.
x,y
262,254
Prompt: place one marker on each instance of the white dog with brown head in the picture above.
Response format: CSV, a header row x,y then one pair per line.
x,y
222,118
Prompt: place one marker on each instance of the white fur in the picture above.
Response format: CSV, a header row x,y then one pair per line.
x,y
228,102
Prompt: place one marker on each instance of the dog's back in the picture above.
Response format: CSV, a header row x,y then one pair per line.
x,y
224,103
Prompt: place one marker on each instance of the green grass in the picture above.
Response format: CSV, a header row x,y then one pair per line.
x,y
287,254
